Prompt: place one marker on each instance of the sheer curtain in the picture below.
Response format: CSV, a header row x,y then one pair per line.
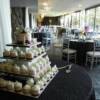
x,y
5,24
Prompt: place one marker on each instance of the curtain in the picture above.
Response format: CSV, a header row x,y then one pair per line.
x,y
5,24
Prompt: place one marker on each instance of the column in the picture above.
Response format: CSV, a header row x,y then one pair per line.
x,y
27,18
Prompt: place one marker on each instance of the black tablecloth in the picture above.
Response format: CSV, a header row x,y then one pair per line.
x,y
75,85
81,47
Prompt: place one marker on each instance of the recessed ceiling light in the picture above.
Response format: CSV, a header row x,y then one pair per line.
x,y
45,4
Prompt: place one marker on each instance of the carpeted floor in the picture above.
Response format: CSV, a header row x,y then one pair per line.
x,y
55,55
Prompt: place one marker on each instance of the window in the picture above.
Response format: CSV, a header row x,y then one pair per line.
x,y
76,20
90,18
67,21
97,20
82,19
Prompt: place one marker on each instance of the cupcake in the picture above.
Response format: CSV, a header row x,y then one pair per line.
x,y
36,77
17,86
35,90
30,81
16,69
27,89
22,55
3,83
24,70
13,53
29,55
6,53
2,66
8,68
40,83
10,86
37,67
32,71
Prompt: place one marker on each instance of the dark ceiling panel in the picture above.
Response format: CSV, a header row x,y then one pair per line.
x,y
24,3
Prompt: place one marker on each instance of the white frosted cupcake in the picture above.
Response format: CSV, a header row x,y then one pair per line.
x,y
2,66
16,69
3,83
27,89
32,70
24,70
37,77
22,55
10,86
40,83
18,86
8,68
13,53
35,90
30,81
6,53
37,67
29,55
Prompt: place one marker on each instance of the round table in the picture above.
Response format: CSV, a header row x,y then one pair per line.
x,y
81,47
76,85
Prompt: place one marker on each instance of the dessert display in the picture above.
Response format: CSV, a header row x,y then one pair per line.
x,y
30,72
23,38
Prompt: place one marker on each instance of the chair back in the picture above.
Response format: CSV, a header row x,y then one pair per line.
x,y
66,43
97,45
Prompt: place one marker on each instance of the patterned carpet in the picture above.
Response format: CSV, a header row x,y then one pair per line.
x,y
55,55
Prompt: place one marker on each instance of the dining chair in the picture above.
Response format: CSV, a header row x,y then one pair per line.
x,y
67,52
93,57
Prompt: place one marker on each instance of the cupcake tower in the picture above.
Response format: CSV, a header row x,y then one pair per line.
x,y
31,87
38,71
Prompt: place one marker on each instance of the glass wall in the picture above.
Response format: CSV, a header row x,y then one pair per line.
x,y
86,18
67,21
90,17
97,20
82,19
76,20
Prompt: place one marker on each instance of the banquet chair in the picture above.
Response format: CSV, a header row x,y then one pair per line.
x,y
67,52
93,56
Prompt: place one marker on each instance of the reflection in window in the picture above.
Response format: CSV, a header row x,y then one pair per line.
x,y
76,20
97,20
67,21
82,19
90,16
62,18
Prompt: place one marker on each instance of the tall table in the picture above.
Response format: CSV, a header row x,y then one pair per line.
x,y
81,46
76,85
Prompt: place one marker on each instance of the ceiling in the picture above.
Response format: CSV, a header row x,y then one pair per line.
x,y
58,7
54,7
